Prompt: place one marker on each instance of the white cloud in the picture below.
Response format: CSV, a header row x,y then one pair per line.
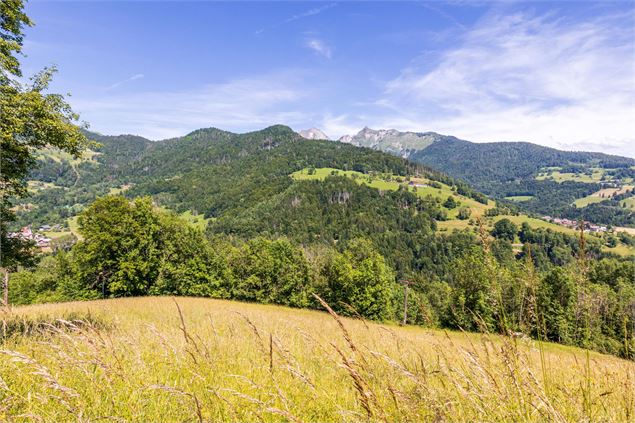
x,y
319,47
531,78
241,104
130,79
336,126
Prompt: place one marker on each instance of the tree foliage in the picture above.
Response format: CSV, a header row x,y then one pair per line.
x,y
30,119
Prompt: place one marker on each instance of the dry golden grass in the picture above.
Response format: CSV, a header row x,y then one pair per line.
x,y
210,360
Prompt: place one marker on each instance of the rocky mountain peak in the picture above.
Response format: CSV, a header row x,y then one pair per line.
x,y
313,134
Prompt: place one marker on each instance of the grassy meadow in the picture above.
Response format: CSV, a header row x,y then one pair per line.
x,y
555,174
601,195
629,203
391,183
189,359
519,198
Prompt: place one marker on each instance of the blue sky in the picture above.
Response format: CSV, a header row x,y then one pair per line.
x,y
555,73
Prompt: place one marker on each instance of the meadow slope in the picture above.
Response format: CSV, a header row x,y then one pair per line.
x,y
141,359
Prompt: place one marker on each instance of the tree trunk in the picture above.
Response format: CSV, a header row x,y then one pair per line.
x,y
5,287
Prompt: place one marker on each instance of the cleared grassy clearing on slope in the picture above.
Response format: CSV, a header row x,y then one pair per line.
x,y
519,198
629,203
536,223
119,190
518,220
196,220
620,249
630,231
555,174
229,361
450,225
601,195
381,182
35,186
62,156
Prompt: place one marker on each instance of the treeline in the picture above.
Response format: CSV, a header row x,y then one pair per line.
x,y
132,248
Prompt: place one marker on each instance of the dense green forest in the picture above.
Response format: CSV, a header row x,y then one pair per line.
x,y
556,288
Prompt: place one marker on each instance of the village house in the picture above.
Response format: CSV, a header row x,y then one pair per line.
x,y
588,226
40,241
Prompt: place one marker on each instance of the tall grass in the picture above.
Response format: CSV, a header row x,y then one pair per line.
x,y
159,359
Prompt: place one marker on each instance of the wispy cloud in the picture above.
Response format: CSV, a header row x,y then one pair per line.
x,y
310,12
319,47
241,104
306,14
443,14
130,79
526,77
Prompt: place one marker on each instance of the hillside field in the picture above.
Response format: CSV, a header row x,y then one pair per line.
x,y
519,198
554,173
629,203
601,195
141,359
391,183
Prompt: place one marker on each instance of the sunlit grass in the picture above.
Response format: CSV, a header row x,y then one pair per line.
x,y
230,361
601,195
197,220
536,223
519,198
629,203
380,182
556,175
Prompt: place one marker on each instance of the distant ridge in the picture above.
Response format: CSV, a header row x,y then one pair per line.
x,y
402,144
511,169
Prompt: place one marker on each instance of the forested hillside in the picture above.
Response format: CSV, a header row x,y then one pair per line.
x,y
208,171
506,161
537,179
551,179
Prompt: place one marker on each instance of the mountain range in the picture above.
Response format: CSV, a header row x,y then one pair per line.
x,y
546,180
232,178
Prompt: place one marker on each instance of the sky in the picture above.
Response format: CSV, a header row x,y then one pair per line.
x,y
560,74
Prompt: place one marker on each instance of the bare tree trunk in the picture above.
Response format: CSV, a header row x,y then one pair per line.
x,y
5,287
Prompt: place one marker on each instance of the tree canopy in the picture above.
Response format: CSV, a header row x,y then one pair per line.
x,y
30,119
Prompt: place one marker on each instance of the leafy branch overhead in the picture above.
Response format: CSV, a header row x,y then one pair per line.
x,y
30,120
